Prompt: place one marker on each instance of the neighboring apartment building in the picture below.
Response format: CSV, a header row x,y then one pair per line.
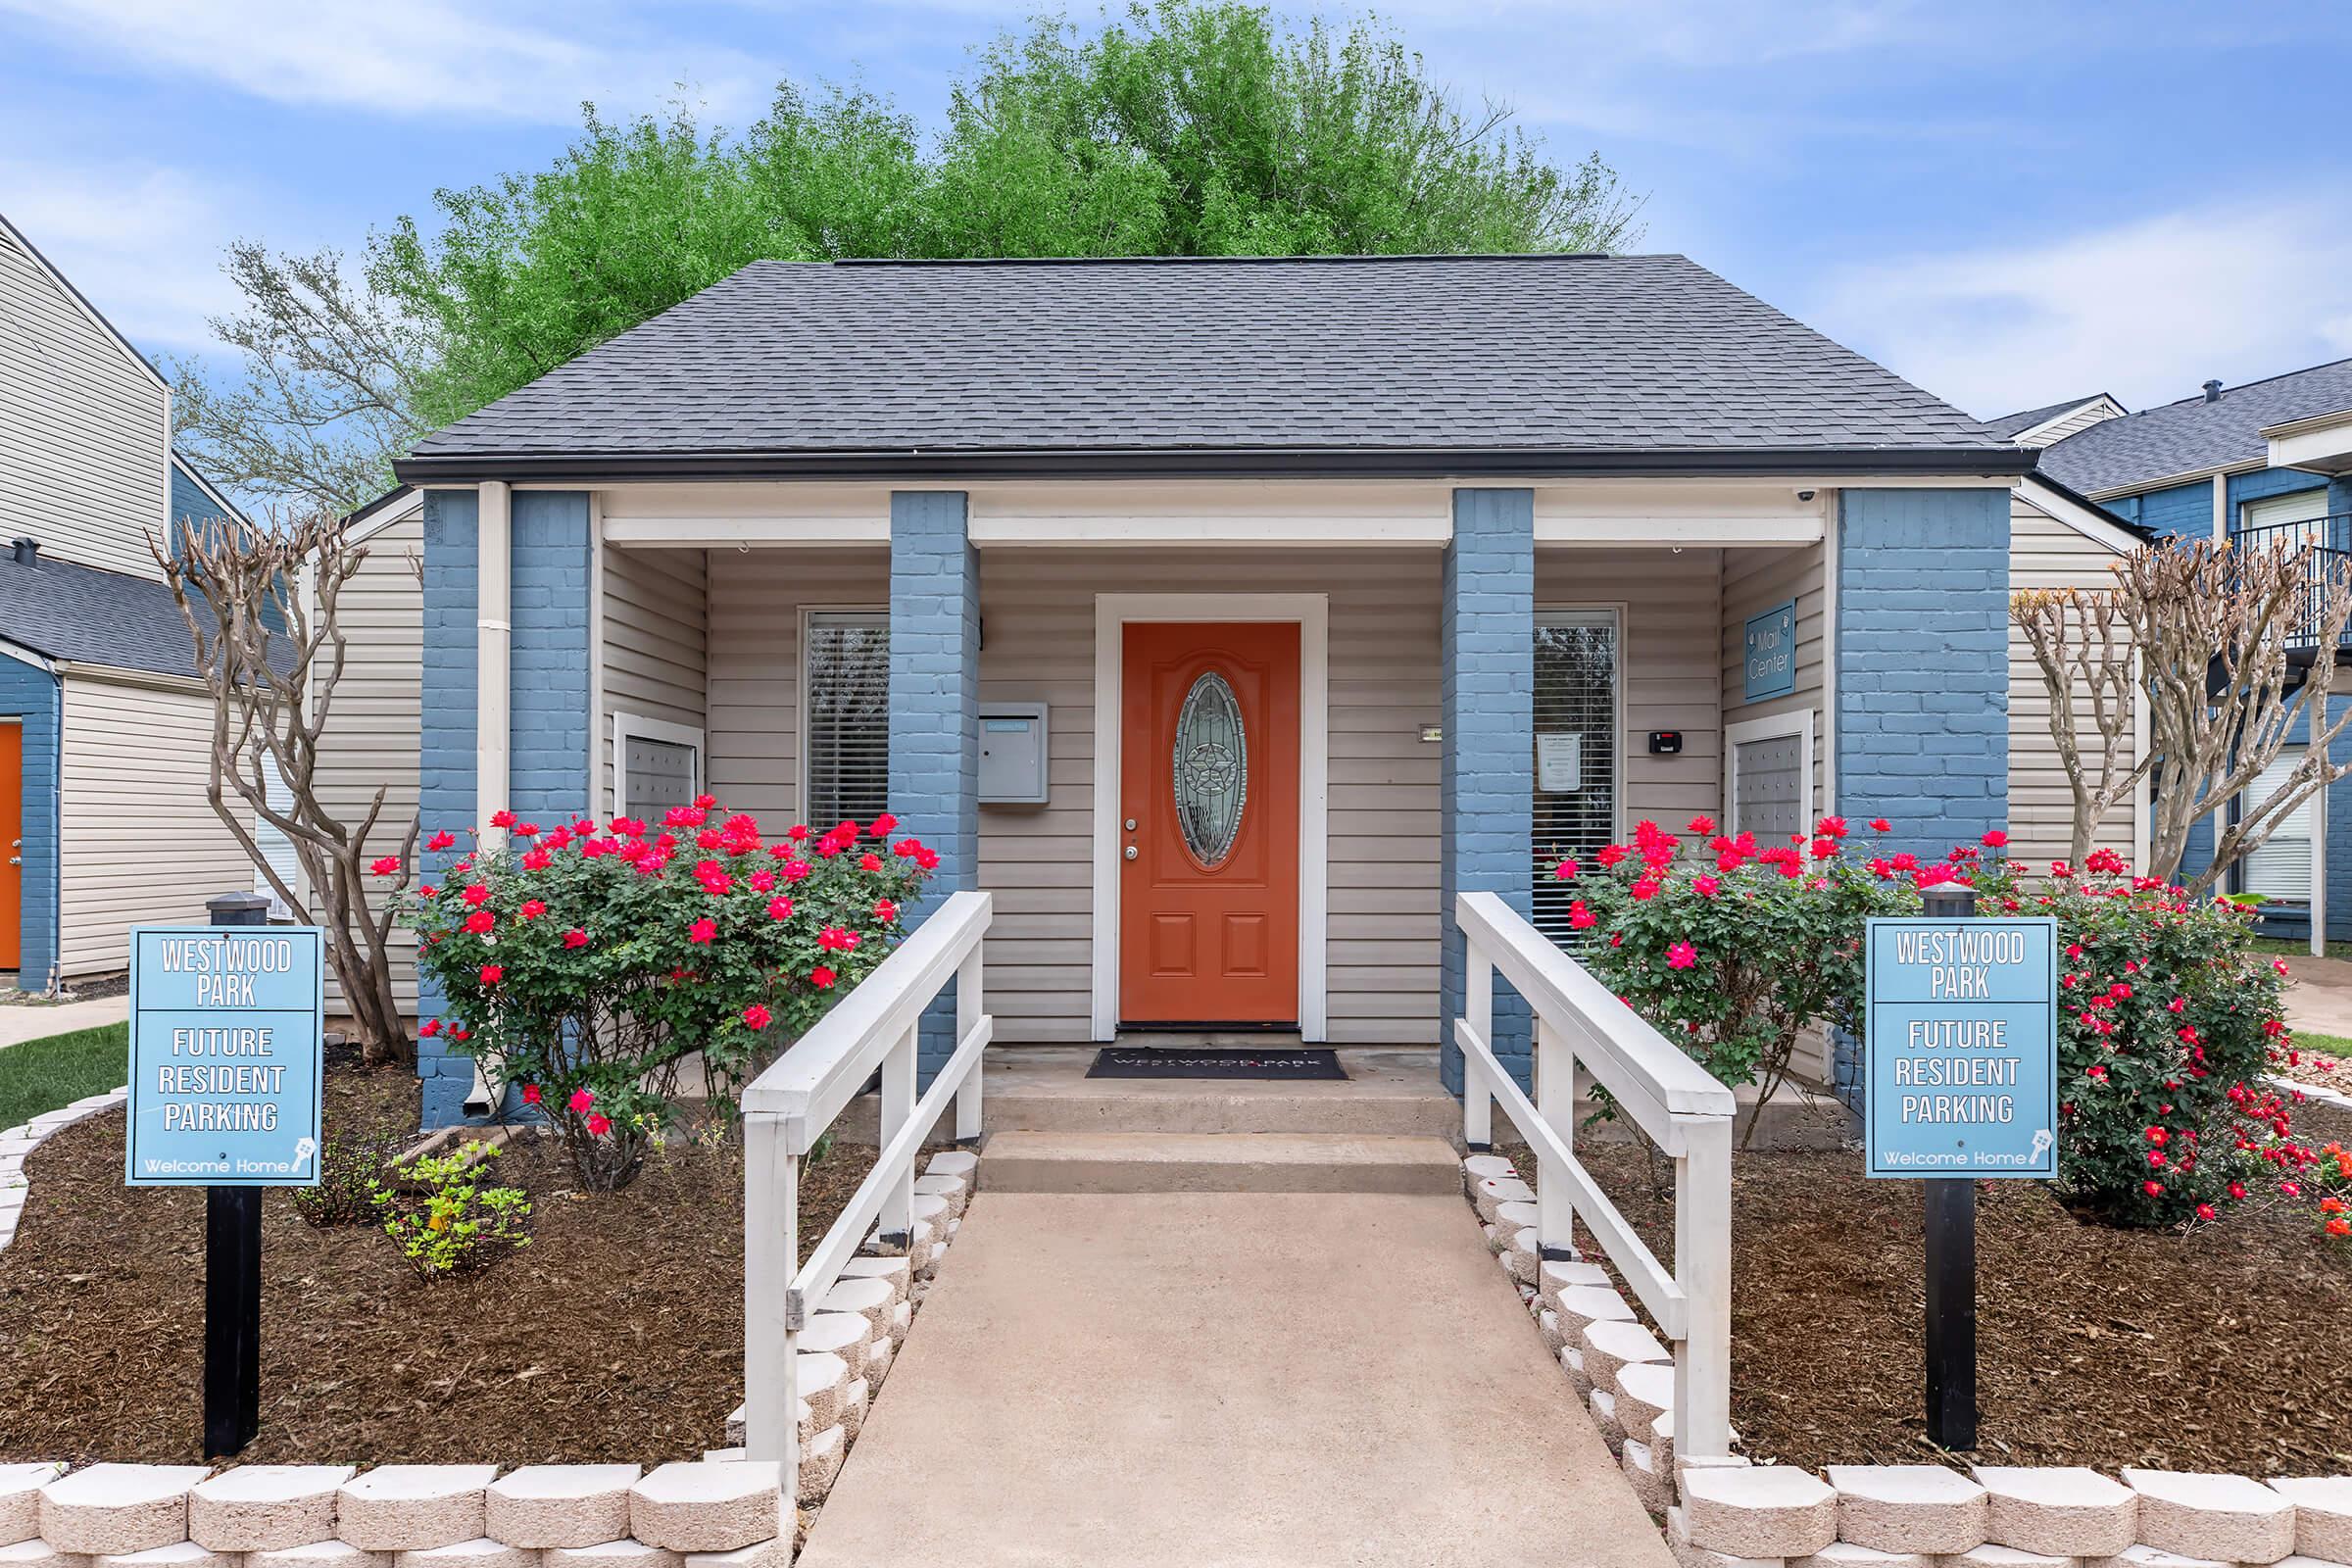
x,y
104,727
2266,460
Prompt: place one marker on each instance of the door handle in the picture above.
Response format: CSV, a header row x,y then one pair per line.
x,y
1132,852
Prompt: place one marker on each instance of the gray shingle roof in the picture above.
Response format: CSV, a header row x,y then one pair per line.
x,y
1549,353
2192,435
2014,424
91,617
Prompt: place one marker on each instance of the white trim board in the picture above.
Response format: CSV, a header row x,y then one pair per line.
x,y
2082,519
1311,612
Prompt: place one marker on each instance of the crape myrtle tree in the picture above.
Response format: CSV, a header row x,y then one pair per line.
x,y
262,600
1194,128
2214,642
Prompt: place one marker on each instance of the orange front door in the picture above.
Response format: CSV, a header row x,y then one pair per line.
x,y
12,840
1209,824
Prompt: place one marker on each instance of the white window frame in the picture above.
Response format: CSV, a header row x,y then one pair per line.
x,y
808,616
639,726
1617,612
1799,723
2315,897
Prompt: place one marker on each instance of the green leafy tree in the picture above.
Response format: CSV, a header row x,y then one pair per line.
x,y
1193,127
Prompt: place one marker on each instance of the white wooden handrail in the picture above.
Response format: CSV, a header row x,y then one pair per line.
x,y
1683,1108
790,1106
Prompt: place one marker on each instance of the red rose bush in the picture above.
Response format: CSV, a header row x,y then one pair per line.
x,y
584,966
1729,948
2168,1019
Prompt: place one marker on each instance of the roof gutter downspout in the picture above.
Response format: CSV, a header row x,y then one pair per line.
x,y
494,654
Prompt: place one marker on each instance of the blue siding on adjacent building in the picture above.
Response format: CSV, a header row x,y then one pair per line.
x,y
1922,711
1486,781
934,703
31,695
550,727
2182,509
2268,482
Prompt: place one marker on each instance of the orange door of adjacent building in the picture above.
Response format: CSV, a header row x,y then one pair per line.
x,y
1209,824
12,840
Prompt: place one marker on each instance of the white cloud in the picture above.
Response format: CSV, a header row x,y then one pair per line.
x,y
142,241
2147,310
428,57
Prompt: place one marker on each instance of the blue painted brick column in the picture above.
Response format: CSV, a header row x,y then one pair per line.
x,y
1922,709
549,726
934,698
1486,651
31,695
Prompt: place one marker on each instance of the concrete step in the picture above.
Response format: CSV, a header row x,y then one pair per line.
x,y
1216,1162
1391,1092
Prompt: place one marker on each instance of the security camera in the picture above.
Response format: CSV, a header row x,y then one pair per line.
x,y
1804,495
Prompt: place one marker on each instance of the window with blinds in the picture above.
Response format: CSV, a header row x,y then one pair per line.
x,y
844,703
1577,659
2280,869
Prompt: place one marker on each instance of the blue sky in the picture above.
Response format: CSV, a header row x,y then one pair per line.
x,y
2010,203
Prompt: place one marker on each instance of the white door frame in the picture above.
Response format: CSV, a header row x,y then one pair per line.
x,y
1312,613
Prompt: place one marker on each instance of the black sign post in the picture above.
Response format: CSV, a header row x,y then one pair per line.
x,y
232,1274
1951,1269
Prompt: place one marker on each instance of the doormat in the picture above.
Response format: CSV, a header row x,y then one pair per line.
x,y
1164,1061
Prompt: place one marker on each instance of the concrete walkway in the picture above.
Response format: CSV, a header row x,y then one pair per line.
x,y
2319,996
1231,1378
22,1021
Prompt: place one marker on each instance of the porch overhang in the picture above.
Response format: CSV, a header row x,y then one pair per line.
x,y
2321,443
1518,465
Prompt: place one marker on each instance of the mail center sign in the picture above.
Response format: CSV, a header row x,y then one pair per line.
x,y
1962,1047
225,1035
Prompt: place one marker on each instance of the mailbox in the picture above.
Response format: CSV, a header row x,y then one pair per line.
x,y
1012,753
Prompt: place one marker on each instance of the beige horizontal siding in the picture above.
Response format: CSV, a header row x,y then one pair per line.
x,y
656,647
1753,582
139,840
1038,609
2044,553
371,738
84,432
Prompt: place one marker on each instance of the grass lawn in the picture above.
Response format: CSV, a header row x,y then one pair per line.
x,y
2299,946
43,1074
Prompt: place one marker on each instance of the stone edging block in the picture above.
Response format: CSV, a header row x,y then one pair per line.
x,y
2323,1515
2219,1517
572,1505
694,1506
112,1509
265,1508
413,1507
1909,1508
2058,1510
1771,1510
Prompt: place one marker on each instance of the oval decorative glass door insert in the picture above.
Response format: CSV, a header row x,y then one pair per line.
x,y
1212,770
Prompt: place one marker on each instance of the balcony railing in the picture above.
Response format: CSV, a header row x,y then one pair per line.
x,y
2330,559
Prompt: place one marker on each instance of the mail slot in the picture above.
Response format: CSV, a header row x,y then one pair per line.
x,y
1012,753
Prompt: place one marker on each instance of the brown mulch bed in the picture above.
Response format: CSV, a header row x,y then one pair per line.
x,y
2322,1068
2225,1348
616,1334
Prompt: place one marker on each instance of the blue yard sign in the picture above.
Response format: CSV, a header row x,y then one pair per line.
x,y
226,1041
1771,653
1961,1074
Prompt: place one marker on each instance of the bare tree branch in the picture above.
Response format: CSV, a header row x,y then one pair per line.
x,y
261,601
